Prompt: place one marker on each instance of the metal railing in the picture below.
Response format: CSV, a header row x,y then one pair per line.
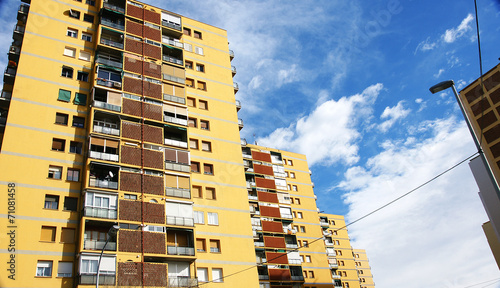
x,y
171,25
177,167
236,86
107,106
180,221
104,156
171,42
175,143
98,245
297,278
175,99
173,60
173,250
174,79
109,62
103,184
182,281
91,278
106,130
174,120
111,43
110,23
178,192
100,212
114,8
231,53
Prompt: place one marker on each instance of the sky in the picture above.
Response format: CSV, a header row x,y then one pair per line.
x,y
346,83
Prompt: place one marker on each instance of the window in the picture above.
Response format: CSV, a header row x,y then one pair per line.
x,y
305,243
311,274
286,175
72,32
305,273
297,201
90,2
289,187
204,124
67,235
200,67
44,268
202,274
51,202
67,72
195,167
73,175
75,147
299,215
191,102
290,162
130,196
196,191
189,64
291,200
70,204
213,218
332,222
48,234
74,14
85,56
64,95
294,214
89,266
308,259
85,36
214,246
198,50
83,76
206,146
292,174
58,144
192,122
199,217
80,99
78,122
202,86
203,104
217,276
186,31
65,269
337,242
70,52
302,229
208,169
294,187
193,144
189,82
88,18
201,245
210,193
188,47
55,172
197,34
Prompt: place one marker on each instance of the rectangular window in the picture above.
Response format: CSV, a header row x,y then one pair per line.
x,y
195,167
65,269
202,86
197,34
78,122
210,193
67,235
58,144
202,274
208,169
64,95
55,172
292,174
297,201
305,243
67,72
198,50
85,36
80,99
299,215
189,82
74,14
192,122
199,217
84,55
186,31
44,268
73,175
196,192
302,229
130,196
51,202
188,47
201,245
48,234
214,246
217,275
206,146
308,259
70,52
72,32
90,2
193,144
213,218
311,274
204,124
200,67
83,76
191,102
70,204
203,104
75,147
88,18
189,64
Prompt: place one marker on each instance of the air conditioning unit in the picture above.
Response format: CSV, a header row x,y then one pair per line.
x,y
117,85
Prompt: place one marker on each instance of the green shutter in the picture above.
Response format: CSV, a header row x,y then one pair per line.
x,y
64,95
81,99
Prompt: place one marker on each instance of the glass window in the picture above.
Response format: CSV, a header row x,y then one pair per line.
x,y
83,76
217,275
213,218
206,146
51,202
202,274
70,52
65,269
70,204
80,99
78,122
64,95
44,269
72,32
55,172
74,14
73,175
109,75
58,144
197,34
85,36
88,18
199,217
61,118
67,72
210,193
75,147
200,67
204,124
84,56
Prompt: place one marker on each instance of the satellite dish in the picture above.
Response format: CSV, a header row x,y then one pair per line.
x,y
111,174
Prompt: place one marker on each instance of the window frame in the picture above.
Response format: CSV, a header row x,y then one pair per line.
x,y
67,72
72,32
87,36
70,174
55,169
213,218
60,142
56,198
76,122
82,76
50,266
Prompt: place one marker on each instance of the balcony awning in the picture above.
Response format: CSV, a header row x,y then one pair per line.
x,y
110,10
171,47
104,164
111,30
175,127
110,67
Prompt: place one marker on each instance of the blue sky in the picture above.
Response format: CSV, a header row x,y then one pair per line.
x,y
346,83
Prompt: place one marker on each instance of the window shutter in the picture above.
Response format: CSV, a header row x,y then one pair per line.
x,y
80,99
64,95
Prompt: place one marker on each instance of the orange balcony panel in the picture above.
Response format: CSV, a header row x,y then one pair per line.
x,y
267,197
259,156
270,226
274,242
262,169
270,211
276,258
265,183
280,275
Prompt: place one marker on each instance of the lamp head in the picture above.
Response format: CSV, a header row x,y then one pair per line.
x,y
441,86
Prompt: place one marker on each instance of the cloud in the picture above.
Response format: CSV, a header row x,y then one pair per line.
x,y
392,114
328,134
426,45
439,73
439,224
451,35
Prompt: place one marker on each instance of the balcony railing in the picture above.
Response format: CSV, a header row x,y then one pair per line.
x,y
328,243
91,279
256,227
231,53
261,260
174,79
175,143
258,244
240,122
110,23
19,29
171,25
103,184
335,276
98,245
292,246
106,130
263,277
174,120
294,261
15,49
252,197
333,265
298,278
6,95
173,60
103,156
107,106
233,69
181,281
177,192
173,250
180,221
100,212
323,223
175,99
177,167
111,43
287,216
3,120
171,41
236,86
24,8
109,62
243,142
114,8
109,83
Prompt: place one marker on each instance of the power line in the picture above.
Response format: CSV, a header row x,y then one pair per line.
x,y
349,224
495,281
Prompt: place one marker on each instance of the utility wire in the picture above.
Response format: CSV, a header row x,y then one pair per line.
x,y
495,281
349,224
480,72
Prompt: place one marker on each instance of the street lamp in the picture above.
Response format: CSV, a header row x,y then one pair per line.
x,y
111,234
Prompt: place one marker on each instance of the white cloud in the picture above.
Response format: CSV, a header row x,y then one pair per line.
x,y
451,35
392,114
439,73
433,229
328,134
426,45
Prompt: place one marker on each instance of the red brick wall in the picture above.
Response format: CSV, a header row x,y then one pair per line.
x,y
272,226
152,17
267,197
275,242
132,107
153,34
270,211
133,65
133,46
155,274
131,130
132,85
152,90
153,134
129,210
154,243
135,11
256,155
152,51
265,183
277,258
129,274
154,185
279,274
152,70
130,182
153,159
129,241
133,28
131,155
153,111
154,213
262,169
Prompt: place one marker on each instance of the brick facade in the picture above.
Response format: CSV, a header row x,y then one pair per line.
x,y
153,159
130,155
153,111
132,85
154,185
131,130
129,210
130,182
154,242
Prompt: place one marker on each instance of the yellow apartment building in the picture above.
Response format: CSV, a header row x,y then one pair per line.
x,y
123,164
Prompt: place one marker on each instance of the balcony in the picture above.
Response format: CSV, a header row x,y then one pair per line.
x,y
14,51
177,192
253,197
238,105
243,142
173,60
176,143
98,245
328,243
109,83
5,95
111,43
295,261
256,228
18,32
323,223
249,156
263,277
103,156
181,281
240,123
174,79
113,23
182,251
10,75
286,216
105,130
333,265
175,99
177,167
180,221
113,7
93,182
107,106
100,212
171,41
109,61
261,260
172,25
297,278
231,54
236,87
258,244
233,70
175,120
91,278
335,276
292,246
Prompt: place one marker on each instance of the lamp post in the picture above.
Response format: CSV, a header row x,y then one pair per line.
x,y
111,234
